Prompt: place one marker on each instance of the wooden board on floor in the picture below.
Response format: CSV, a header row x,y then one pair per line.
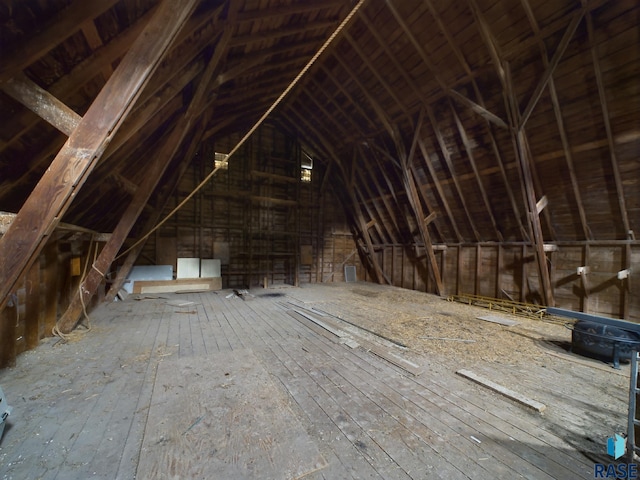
x,y
498,319
179,285
222,416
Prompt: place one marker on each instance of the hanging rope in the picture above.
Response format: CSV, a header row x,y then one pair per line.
x,y
252,129
56,330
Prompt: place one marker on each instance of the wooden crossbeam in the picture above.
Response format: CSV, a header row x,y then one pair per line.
x,y
42,103
414,199
73,164
154,173
449,162
544,80
154,217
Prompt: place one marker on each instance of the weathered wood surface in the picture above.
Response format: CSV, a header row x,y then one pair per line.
x,y
148,385
180,284
222,416
71,167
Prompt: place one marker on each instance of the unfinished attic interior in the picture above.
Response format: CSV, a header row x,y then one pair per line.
x,y
228,231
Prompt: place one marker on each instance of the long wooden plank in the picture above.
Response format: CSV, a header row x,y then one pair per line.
x,y
560,122
518,397
67,173
141,197
416,204
551,67
359,376
42,103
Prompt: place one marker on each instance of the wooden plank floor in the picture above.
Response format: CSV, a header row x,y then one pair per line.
x,y
100,406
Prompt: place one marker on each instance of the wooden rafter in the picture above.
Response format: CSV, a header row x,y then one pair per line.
x,y
42,103
416,204
169,76
560,122
436,182
161,161
375,71
551,67
448,160
381,114
607,126
61,27
512,110
429,220
83,72
68,171
371,182
482,112
284,11
352,101
479,109
364,186
527,174
470,155
331,99
271,35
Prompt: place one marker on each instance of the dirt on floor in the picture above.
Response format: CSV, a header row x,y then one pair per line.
x,y
585,396
435,326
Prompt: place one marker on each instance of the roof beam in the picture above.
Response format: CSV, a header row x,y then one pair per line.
x,y
365,59
481,110
42,103
362,186
607,126
447,158
82,73
166,73
372,179
526,168
560,122
414,200
161,161
242,40
61,27
551,67
73,164
163,196
467,146
436,182
301,7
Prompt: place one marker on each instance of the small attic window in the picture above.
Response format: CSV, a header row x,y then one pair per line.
x,y
220,160
307,166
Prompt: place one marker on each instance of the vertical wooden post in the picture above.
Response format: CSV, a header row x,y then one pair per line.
x,y
584,280
51,282
499,262
459,270
626,287
478,291
33,312
523,281
442,271
8,316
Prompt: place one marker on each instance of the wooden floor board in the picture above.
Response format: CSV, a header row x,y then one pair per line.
x,y
386,425
322,410
505,456
86,404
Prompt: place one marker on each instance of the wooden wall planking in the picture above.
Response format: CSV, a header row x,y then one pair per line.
x,y
262,212
41,294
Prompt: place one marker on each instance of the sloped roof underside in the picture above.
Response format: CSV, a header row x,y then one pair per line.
x,y
484,101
